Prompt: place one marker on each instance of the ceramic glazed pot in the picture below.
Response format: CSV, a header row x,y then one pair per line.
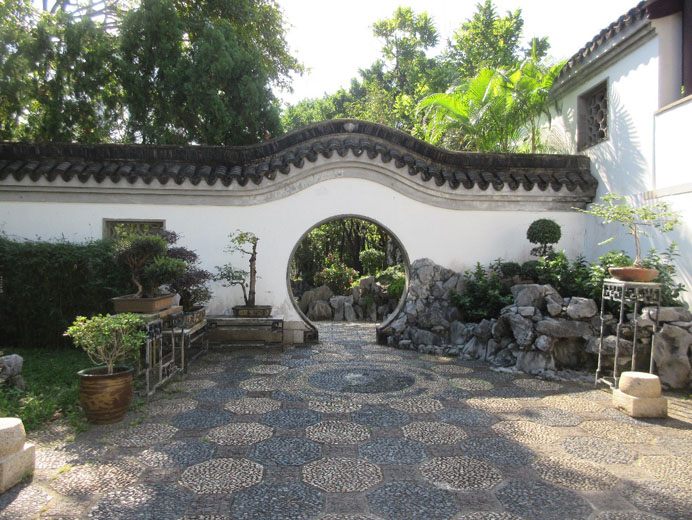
x,y
256,311
105,398
633,274
144,305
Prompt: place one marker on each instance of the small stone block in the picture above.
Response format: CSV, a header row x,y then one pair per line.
x,y
640,384
12,436
640,406
15,467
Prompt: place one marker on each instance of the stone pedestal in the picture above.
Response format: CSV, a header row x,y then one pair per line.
x,y
639,395
17,457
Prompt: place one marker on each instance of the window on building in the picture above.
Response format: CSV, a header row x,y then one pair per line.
x,y
114,228
592,112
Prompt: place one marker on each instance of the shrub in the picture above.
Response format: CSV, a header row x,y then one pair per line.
x,y
544,232
510,269
529,270
393,272
338,277
145,256
191,285
47,284
396,288
372,260
484,294
569,279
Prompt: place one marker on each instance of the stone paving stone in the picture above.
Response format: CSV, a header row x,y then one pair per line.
x,y
267,369
471,384
334,405
661,498
240,434
676,445
392,451
578,475
497,451
177,454
623,515
617,431
539,385
459,473
142,502
165,407
489,515
361,380
337,432
189,385
346,516
383,417
452,370
91,479
550,416
434,433
526,432
74,453
22,501
197,419
412,501
676,470
416,405
258,384
468,417
219,394
287,501
542,501
496,405
286,451
280,395
599,450
291,418
252,405
342,475
572,404
142,435
221,475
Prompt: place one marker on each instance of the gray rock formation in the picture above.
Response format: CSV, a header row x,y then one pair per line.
x,y
11,369
320,310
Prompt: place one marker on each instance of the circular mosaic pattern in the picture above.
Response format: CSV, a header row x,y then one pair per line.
x,y
96,478
392,451
177,454
342,475
298,362
514,392
252,405
141,502
200,419
22,501
334,405
221,475
452,370
551,417
616,431
231,376
542,501
661,498
495,404
170,406
189,385
219,394
459,473
526,432
417,405
142,435
538,385
267,369
293,501
286,451
361,380
595,395
572,404
598,450
205,369
240,434
381,417
617,415
72,453
497,451
579,475
337,432
286,396
468,383
671,469
467,417
434,433
258,384
330,357
454,394
412,501
291,418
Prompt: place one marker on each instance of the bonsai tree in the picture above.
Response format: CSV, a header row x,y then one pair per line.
x,y
616,209
544,232
191,284
108,339
243,242
145,256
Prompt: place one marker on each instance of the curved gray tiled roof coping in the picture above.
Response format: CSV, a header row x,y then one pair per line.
x,y
631,17
262,162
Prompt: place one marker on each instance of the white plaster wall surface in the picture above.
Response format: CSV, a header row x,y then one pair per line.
x,y
454,238
673,152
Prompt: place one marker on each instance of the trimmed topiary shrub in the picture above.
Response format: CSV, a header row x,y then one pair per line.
x,y
529,270
510,269
544,232
372,260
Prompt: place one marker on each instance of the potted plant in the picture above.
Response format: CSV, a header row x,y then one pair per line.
x,y
191,286
243,242
106,391
150,267
616,209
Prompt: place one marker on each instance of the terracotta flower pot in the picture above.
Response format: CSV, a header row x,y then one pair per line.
x,y
633,274
106,397
143,305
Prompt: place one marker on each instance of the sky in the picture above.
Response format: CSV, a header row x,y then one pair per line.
x,y
333,38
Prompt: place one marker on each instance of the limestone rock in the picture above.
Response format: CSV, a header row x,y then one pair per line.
x,y
563,328
10,370
349,313
323,293
484,329
320,310
579,308
534,361
422,337
609,346
529,294
543,343
671,356
305,300
668,314
522,329
458,334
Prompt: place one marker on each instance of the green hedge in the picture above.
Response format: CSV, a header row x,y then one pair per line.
x,y
47,284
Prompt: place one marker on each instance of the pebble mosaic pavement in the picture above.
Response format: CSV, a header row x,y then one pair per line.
x,y
350,430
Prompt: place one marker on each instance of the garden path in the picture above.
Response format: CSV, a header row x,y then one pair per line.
x,y
348,430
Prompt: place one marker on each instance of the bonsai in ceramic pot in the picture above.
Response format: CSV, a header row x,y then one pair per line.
x,y
244,242
659,216
106,391
191,285
150,267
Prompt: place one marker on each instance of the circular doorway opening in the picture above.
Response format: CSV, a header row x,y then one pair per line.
x,y
347,268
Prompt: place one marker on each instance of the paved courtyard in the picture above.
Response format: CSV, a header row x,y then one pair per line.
x,y
349,430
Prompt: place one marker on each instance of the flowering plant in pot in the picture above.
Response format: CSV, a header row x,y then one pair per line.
x,y
244,242
191,285
106,390
659,216
150,267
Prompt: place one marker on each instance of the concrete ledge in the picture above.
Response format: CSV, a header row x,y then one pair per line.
x,y
15,467
640,406
640,384
12,436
